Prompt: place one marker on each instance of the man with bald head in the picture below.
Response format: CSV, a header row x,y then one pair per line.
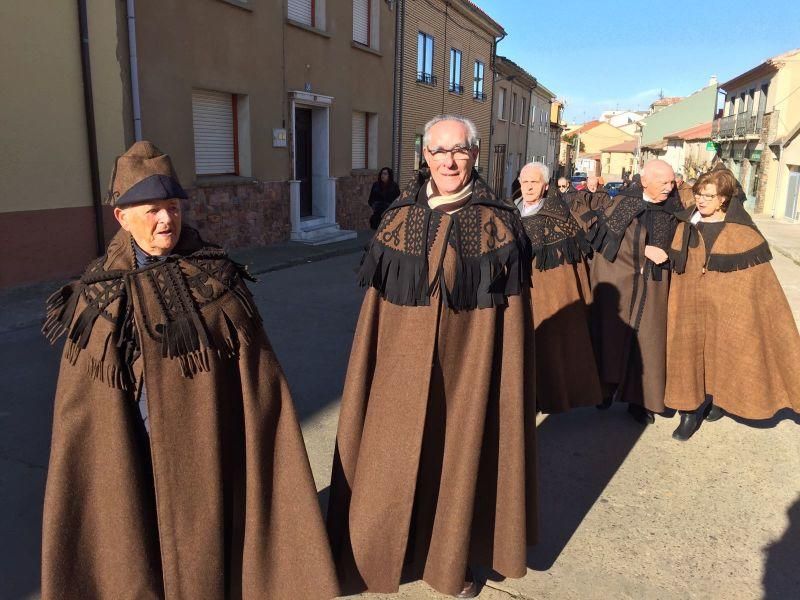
x,y
435,464
598,196
630,283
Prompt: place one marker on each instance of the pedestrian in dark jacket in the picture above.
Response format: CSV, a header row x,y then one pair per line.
x,y
383,193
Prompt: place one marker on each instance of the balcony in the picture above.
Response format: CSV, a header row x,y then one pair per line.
x,y
426,78
738,126
456,88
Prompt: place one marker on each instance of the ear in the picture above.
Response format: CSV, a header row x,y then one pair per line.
x,y
121,217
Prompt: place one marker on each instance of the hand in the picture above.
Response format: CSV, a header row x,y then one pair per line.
x,y
656,254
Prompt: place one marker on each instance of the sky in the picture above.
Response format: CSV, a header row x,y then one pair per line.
x,y
621,54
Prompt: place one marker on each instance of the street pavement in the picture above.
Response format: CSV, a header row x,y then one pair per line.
x,y
625,512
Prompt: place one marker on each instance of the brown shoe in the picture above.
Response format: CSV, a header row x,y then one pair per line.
x,y
470,589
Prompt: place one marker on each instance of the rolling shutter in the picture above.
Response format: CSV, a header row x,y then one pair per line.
x,y
361,21
213,122
301,11
359,140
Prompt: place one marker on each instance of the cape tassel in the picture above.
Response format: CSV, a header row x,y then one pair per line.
x,y
726,263
60,309
486,281
399,278
569,250
185,339
603,239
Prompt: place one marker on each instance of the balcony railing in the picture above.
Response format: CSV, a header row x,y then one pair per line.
x,y
479,95
456,88
426,78
737,126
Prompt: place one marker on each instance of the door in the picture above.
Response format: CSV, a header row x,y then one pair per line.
x,y
498,169
792,194
302,158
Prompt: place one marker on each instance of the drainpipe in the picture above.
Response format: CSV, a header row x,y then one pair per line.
x,y
399,45
134,65
490,157
91,133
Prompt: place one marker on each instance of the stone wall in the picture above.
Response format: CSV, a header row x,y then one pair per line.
x,y
238,215
352,194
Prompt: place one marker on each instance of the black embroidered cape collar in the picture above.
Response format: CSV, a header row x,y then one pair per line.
x,y
725,263
555,236
489,249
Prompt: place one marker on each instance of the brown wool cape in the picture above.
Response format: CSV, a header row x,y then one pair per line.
x,y
566,372
730,331
629,296
218,501
435,461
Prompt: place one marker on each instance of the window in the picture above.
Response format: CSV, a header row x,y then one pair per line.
x,y
477,82
455,71
478,159
417,151
513,107
425,59
501,104
533,115
361,18
302,11
523,112
762,99
216,130
364,140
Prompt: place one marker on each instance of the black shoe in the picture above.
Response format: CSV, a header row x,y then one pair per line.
x,y
470,589
714,413
641,415
690,421
606,403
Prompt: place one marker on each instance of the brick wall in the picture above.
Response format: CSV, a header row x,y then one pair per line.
x,y
240,215
352,194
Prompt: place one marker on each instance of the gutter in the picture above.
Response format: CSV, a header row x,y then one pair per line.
x,y
91,131
134,66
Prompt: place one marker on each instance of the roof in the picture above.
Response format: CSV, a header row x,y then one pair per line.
x,y
659,145
480,13
626,147
667,101
506,64
698,132
768,66
585,127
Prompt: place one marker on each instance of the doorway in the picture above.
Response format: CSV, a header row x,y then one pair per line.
x,y
303,159
792,195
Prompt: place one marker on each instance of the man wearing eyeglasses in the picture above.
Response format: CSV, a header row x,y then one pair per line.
x,y
435,451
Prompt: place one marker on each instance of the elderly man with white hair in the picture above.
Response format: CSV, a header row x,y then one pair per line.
x,y
630,284
435,462
566,373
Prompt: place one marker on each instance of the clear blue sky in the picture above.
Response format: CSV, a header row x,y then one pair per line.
x,y
600,55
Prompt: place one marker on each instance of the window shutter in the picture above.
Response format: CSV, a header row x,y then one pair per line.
x,y
213,122
361,21
359,140
300,11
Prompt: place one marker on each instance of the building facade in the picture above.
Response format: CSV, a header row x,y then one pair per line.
x,y
554,142
539,135
758,134
513,89
445,56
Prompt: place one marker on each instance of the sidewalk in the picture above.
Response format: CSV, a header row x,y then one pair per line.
x,y
23,306
783,237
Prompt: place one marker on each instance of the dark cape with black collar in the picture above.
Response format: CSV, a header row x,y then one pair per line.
x,y
218,501
629,292
731,332
435,459
566,372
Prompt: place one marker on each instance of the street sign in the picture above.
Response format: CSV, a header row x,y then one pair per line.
x,y
279,138
755,155
711,146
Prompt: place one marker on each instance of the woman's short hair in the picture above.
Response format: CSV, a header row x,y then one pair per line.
x,y
725,182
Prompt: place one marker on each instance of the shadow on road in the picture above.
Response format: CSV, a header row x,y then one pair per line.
x,y
782,569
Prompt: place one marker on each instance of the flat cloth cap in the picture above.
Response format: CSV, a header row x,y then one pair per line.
x,y
143,173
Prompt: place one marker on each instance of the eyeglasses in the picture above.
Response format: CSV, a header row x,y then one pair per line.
x,y
458,153
563,186
708,196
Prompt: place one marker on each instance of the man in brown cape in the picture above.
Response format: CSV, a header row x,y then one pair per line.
x,y
566,372
684,190
177,466
435,452
598,196
630,285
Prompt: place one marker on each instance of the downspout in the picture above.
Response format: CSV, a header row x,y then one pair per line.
x,y
399,45
91,132
490,158
134,65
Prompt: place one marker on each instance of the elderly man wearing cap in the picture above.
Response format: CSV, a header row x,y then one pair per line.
x,y
177,466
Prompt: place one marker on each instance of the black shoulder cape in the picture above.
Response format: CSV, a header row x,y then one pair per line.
x,y
555,235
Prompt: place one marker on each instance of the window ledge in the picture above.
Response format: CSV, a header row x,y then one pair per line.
x,y
368,49
221,180
304,27
243,4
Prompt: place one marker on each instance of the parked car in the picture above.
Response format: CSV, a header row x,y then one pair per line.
x,y
613,188
579,181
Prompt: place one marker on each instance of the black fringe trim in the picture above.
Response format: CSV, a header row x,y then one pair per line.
x,y
569,250
486,281
398,277
600,236
726,263
59,311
